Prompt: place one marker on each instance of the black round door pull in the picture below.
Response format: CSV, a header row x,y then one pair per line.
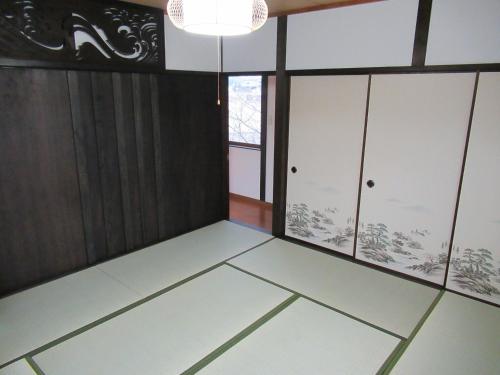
x,y
294,170
370,183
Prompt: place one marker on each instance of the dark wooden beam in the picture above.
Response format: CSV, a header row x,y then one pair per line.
x,y
422,32
263,138
460,183
281,131
362,166
225,144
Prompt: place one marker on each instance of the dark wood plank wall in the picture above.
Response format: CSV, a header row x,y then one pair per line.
x,y
127,156
94,165
146,155
41,231
192,181
109,166
87,163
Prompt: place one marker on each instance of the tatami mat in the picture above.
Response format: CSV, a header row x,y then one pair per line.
x,y
40,315
176,330
381,299
18,368
37,316
170,333
155,268
461,336
307,338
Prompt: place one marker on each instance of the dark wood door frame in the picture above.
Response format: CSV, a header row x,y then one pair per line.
x,y
281,131
263,138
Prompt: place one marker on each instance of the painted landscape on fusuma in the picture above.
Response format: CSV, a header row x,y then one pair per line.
x,y
325,227
406,252
475,271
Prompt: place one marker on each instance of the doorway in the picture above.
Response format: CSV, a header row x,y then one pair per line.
x,y
251,106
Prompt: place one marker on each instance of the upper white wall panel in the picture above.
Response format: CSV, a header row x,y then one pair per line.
x,y
253,52
185,51
369,35
464,32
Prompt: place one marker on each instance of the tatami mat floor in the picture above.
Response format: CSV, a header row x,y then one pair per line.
x,y
226,299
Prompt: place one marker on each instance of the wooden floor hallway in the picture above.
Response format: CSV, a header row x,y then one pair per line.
x,y
251,212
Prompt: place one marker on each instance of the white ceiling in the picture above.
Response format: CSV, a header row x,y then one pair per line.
x,y
277,7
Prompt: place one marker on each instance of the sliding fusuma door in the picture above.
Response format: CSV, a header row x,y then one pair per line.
x,y
327,117
416,133
475,258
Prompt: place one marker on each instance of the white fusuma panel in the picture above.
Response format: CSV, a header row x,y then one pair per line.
x,y
327,117
475,258
417,126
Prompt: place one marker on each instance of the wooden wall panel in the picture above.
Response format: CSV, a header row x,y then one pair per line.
x,y
102,90
41,229
155,108
192,171
84,133
146,155
127,156
93,165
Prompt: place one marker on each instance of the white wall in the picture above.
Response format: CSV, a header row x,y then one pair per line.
x,y
369,35
252,52
244,172
271,109
185,51
464,32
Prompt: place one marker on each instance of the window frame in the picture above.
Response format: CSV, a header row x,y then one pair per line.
x,y
263,114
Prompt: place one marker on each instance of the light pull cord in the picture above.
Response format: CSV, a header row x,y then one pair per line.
x,y
219,60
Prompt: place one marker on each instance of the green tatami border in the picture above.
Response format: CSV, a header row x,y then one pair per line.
x,y
240,336
124,309
400,349
34,365
399,337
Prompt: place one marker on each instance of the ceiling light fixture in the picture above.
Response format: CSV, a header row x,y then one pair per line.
x,y
218,17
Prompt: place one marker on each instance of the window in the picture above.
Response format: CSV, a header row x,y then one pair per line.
x,y
245,94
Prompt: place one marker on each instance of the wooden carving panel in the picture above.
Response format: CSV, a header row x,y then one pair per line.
x,y
81,32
